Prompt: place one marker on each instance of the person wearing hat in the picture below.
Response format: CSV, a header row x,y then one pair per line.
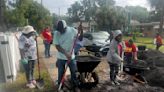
x,y
130,52
28,50
64,38
115,55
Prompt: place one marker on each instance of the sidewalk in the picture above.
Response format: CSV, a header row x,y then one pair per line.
x,y
50,63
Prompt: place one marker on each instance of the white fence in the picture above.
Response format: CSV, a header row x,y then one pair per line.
x,y
9,57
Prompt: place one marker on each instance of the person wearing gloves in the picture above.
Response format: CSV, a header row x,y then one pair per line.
x,y
28,50
64,38
130,52
115,55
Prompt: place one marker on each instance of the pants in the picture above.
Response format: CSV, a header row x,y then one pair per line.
x,y
114,68
158,46
128,58
47,46
77,48
29,70
73,69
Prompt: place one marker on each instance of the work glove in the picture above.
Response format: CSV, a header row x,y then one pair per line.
x,y
24,61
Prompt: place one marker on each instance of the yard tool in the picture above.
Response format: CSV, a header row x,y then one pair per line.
x,y
66,66
40,80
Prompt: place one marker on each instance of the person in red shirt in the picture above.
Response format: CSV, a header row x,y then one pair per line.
x,y
158,41
130,52
47,40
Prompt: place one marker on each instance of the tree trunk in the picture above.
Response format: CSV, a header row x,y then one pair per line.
x,y
2,24
161,22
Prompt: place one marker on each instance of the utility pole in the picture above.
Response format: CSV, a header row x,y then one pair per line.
x,y
42,2
59,12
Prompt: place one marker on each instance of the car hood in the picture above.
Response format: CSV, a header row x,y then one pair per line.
x,y
100,42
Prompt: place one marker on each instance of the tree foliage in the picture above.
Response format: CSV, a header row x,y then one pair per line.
x,y
138,13
158,6
103,12
23,12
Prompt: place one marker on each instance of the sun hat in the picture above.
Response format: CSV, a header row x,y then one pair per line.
x,y
28,29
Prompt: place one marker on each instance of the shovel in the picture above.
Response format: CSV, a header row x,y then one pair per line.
x,y
66,66
39,81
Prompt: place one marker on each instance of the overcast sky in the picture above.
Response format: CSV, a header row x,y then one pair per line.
x,y
61,5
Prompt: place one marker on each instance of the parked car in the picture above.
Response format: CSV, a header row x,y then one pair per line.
x,y
96,38
96,41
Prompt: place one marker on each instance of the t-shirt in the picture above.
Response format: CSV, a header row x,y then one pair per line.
x,y
130,48
47,35
65,40
28,45
158,40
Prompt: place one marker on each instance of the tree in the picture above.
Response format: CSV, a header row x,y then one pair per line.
x,y
103,12
138,13
23,12
74,12
111,18
38,16
158,5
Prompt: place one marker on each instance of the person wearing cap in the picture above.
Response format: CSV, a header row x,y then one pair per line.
x,y
28,50
47,40
130,52
115,55
64,38
158,41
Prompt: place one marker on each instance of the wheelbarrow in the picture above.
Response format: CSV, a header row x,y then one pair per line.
x,y
95,50
137,72
85,65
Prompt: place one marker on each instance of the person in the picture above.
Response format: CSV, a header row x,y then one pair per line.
x,y
79,43
64,38
158,41
110,36
28,50
47,40
130,52
115,55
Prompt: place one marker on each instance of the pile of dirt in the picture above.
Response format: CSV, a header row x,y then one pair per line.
x,y
155,77
154,58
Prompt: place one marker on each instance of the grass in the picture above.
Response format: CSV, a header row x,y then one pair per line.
x,y
145,41
19,84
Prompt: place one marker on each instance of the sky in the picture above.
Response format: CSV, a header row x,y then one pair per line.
x,y
60,6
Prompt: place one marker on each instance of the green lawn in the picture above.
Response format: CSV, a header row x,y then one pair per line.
x,y
19,84
145,41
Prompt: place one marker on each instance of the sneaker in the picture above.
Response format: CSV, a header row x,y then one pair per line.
x,y
117,83
30,85
113,83
34,82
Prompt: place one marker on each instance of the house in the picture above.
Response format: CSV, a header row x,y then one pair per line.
x,y
148,29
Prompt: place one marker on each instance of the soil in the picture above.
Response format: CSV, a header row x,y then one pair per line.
x,y
154,76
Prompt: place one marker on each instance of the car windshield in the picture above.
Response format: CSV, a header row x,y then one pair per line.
x,y
100,35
